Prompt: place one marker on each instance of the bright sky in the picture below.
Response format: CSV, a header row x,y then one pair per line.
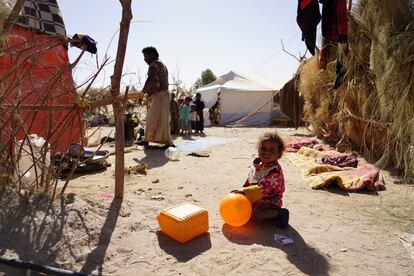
x,y
191,36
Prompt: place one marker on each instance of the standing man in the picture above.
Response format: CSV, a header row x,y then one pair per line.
x,y
199,127
157,127
175,115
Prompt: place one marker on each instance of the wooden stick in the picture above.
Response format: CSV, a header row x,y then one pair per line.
x,y
88,105
132,96
117,104
28,107
11,20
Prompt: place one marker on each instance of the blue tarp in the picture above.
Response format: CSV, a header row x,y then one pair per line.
x,y
203,143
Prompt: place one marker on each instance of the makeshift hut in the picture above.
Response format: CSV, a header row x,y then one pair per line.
x,y
36,87
371,107
291,102
244,99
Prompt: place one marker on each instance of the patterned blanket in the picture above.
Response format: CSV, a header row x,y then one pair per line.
x,y
319,175
43,16
294,143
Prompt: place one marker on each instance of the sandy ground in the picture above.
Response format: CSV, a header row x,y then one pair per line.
x,y
334,232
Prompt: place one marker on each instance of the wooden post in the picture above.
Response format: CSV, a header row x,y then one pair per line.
x,y
117,104
11,20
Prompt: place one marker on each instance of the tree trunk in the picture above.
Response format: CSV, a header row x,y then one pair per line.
x,y
118,105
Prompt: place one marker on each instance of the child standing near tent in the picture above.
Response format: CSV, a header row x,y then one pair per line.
x,y
180,106
265,184
193,116
199,108
185,116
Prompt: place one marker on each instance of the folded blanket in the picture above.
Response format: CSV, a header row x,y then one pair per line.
x,y
294,143
341,160
351,179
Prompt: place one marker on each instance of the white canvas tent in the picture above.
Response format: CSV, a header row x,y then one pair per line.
x,y
241,97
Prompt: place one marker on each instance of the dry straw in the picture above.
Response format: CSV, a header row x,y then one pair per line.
x,y
374,107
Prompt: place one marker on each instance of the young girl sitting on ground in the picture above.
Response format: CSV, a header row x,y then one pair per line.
x,y
265,185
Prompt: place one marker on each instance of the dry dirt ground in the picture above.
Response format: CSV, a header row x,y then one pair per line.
x,y
334,232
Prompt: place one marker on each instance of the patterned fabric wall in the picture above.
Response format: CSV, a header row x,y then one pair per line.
x,y
43,16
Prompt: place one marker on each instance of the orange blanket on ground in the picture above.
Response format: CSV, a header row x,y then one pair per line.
x,y
351,179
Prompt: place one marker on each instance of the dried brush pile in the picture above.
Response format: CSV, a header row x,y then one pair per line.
x,y
374,106
40,113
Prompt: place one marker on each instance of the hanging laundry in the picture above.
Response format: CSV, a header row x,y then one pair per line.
x,y
85,41
334,20
308,18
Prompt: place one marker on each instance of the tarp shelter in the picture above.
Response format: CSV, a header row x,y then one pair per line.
x,y
37,90
244,99
291,102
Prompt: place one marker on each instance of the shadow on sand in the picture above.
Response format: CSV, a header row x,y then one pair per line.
x,y
306,258
189,138
310,135
184,252
96,258
80,174
35,235
335,189
154,158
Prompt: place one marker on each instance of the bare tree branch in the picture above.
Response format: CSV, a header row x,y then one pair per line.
x,y
292,55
